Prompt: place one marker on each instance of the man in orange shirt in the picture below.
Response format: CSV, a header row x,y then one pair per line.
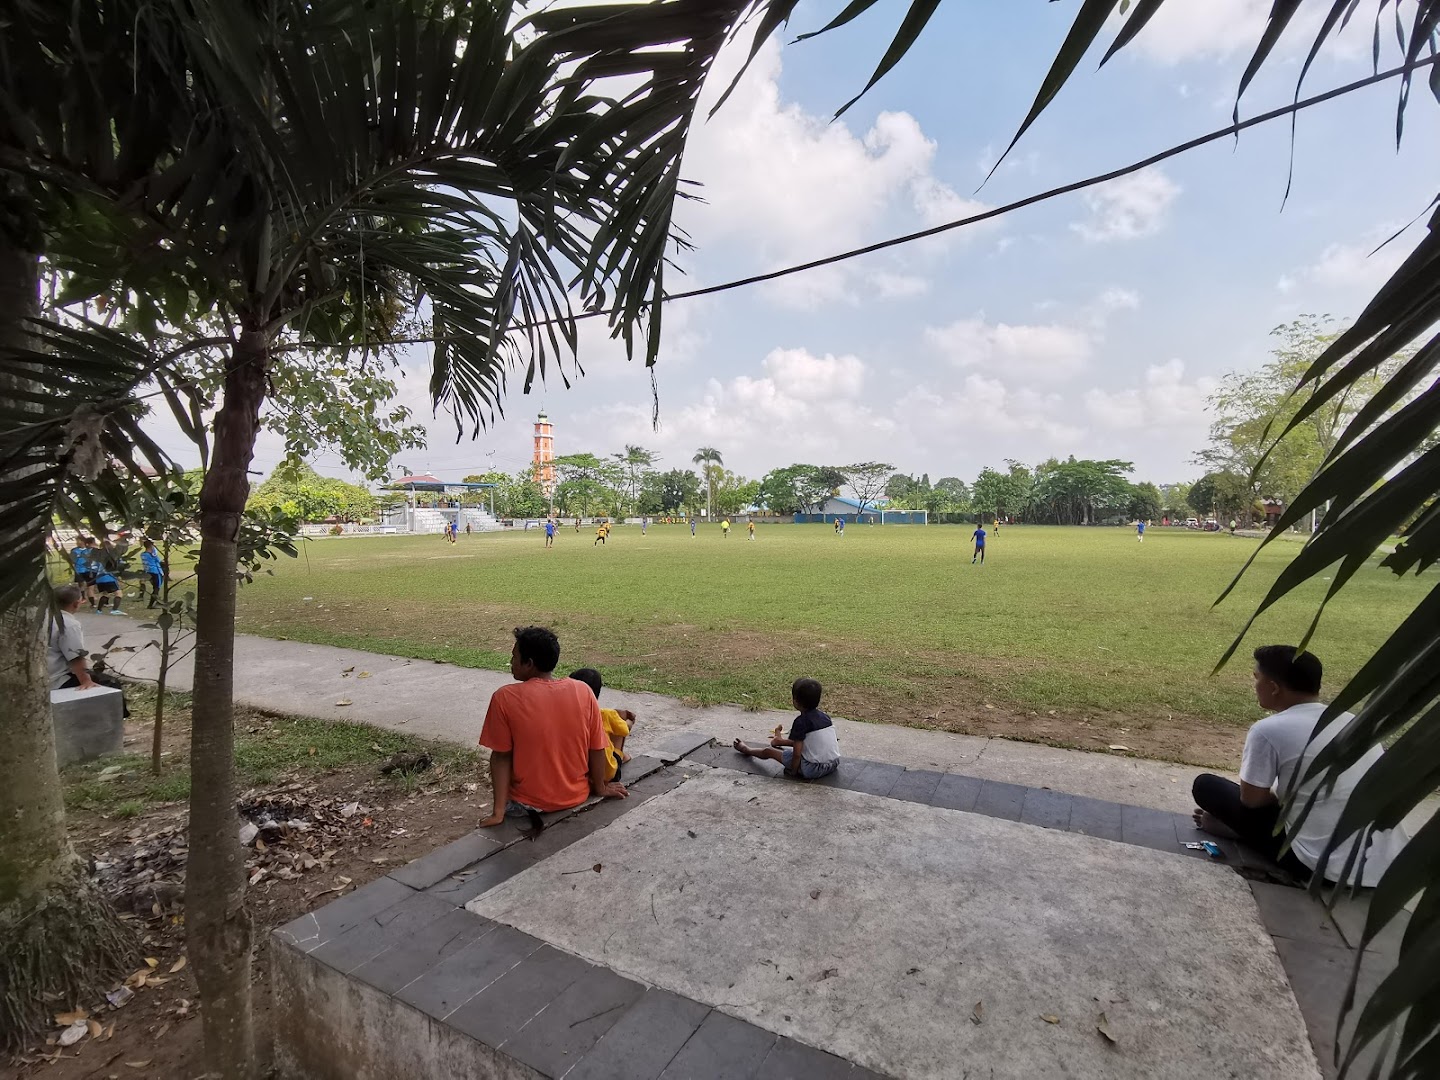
x,y
545,735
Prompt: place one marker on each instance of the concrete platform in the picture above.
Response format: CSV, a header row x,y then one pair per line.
x,y
400,978
922,942
88,723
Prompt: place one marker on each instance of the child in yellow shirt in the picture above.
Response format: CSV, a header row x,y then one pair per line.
x,y
617,723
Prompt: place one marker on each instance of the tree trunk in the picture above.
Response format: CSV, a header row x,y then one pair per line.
x,y
218,925
58,937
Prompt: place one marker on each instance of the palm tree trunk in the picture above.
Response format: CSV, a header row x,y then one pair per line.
x,y
59,939
219,930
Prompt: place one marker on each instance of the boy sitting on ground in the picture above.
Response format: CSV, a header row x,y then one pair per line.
x,y
813,748
617,722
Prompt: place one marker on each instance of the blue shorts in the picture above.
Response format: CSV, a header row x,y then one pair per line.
x,y
809,770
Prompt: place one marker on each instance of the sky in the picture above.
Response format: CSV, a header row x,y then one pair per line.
x,y
1094,324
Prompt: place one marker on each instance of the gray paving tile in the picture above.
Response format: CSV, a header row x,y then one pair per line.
x,y
722,1048
790,1060
570,1025
1319,975
1301,916
309,932
877,778
500,1010
641,766
442,862
1046,808
859,1072
1094,817
409,958
756,766
460,888
916,785
708,754
1000,800
465,973
375,934
679,745
957,792
1144,827
644,1040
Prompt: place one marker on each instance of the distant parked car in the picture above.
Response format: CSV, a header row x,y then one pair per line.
x,y
1192,523
1212,526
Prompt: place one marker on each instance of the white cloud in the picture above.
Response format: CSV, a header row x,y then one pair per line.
x,y
1221,30
1348,267
783,185
801,406
985,404
1129,207
896,286
1056,349
1049,349
1208,28
1164,401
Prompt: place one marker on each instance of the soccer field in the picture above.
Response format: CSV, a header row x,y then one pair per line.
x,y
1117,638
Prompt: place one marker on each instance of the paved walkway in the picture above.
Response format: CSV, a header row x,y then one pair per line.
x,y
442,701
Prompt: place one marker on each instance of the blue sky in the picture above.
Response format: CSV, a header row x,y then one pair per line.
x,y
1094,324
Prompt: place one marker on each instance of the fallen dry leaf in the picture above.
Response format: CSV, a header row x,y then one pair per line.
x,y
1049,1018
977,1014
66,1019
151,963
814,894
1102,1025
363,675
344,701
96,1030
1118,746
138,1064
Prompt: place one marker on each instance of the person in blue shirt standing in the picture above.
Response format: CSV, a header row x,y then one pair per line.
x,y
83,556
107,585
154,571
644,524
1140,530
549,532
979,535
692,528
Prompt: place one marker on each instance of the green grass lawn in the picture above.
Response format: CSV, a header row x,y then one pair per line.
x,y
895,621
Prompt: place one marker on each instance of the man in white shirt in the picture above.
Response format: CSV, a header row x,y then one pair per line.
x,y
67,663
65,655
1278,750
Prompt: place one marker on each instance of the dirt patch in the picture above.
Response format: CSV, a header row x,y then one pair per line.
x,y
155,1031
1214,745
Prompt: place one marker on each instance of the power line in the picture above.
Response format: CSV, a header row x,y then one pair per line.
x,y
907,238
985,215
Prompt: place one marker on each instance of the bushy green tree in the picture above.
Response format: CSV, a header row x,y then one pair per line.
x,y
298,491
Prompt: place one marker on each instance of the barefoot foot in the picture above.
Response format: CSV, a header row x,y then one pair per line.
x,y
740,747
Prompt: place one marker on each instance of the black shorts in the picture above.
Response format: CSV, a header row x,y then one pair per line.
x,y
108,586
86,579
154,581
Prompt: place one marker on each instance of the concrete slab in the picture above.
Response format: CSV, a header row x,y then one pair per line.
x,y
922,942
87,723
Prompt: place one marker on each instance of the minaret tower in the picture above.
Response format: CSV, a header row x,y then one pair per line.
x,y
544,459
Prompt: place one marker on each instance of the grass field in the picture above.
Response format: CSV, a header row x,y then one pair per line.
x,y
1117,638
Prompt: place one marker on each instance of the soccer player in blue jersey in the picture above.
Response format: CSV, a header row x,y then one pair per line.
x,y
979,536
1140,530
549,532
